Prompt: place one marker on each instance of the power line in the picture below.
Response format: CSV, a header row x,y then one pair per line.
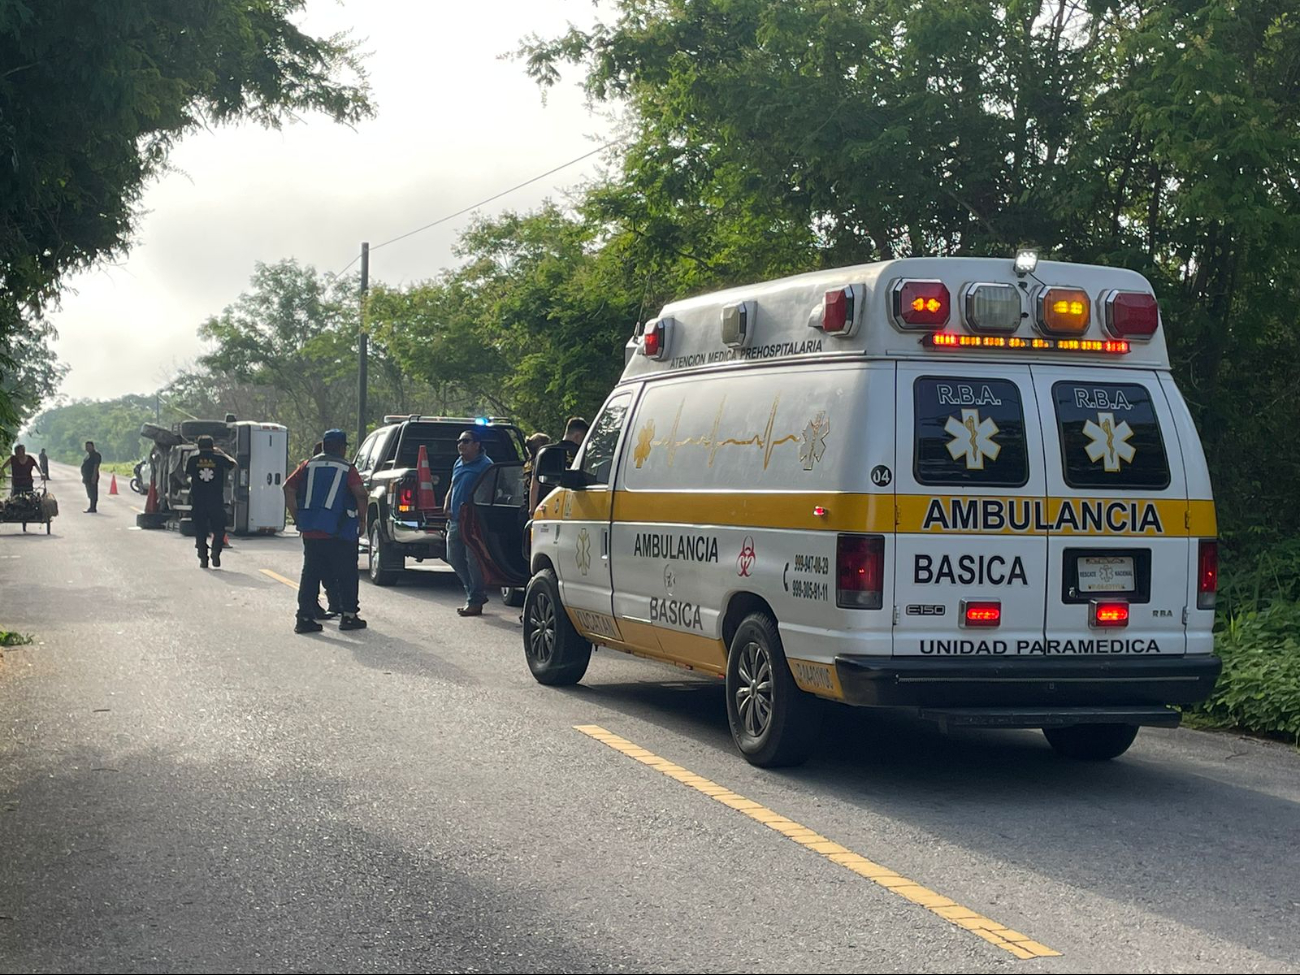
x,y
490,199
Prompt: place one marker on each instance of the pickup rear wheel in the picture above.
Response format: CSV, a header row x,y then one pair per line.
x,y
556,652
773,722
1091,742
379,557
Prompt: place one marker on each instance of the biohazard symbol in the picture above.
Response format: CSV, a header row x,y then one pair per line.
x,y
207,474
1108,442
813,444
645,442
745,561
584,551
973,438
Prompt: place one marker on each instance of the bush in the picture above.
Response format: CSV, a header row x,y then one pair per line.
x,y
1260,687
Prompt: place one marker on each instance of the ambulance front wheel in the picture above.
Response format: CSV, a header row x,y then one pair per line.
x,y
556,653
773,722
1091,742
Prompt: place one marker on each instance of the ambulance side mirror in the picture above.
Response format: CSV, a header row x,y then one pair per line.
x,y
552,469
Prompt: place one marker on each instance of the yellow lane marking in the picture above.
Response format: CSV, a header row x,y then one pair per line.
x,y
991,931
279,578
138,511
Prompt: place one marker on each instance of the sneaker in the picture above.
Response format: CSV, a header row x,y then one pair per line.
x,y
351,621
203,563
307,626
325,614
216,559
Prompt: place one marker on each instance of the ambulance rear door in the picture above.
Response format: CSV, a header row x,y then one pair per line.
x,y
971,550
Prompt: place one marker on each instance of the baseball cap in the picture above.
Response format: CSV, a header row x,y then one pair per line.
x,y
336,435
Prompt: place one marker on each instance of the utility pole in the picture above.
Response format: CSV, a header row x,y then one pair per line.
x,y
365,346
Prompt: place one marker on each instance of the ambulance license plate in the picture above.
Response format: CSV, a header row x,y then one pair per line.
x,y
1107,573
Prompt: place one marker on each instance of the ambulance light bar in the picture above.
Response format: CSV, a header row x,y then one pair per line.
x,y
947,340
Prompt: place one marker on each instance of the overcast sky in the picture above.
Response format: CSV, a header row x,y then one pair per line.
x,y
455,125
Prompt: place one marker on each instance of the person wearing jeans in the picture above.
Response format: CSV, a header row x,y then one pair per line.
x,y
473,462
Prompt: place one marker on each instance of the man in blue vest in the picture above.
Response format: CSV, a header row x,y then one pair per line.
x,y
327,499
473,462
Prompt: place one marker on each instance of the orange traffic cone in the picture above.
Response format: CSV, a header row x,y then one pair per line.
x,y
426,501
151,500
112,485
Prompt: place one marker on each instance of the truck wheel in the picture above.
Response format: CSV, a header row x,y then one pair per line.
x,y
378,558
186,527
772,721
511,596
159,435
151,521
556,653
1091,742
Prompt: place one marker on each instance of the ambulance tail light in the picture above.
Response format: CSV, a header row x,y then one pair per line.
x,y
840,311
981,612
654,342
921,304
1064,311
1107,613
1207,573
992,307
860,571
1131,314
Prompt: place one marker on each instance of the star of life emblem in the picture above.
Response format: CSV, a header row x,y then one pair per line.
x,y
973,439
1108,442
207,474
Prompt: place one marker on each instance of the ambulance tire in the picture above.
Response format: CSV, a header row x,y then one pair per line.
x,y
150,521
1091,742
186,527
193,429
773,728
557,654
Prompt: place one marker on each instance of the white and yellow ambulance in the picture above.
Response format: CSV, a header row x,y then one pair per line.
x,y
967,487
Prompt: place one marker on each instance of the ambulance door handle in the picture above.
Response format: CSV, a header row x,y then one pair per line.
x,y
604,544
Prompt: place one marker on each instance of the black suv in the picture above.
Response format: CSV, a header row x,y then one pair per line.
x,y
387,460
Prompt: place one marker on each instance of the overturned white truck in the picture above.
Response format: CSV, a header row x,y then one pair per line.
x,y
254,495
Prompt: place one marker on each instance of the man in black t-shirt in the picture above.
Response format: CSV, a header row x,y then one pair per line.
x,y
90,476
207,473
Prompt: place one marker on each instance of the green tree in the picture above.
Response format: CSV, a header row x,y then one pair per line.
x,y
94,95
30,373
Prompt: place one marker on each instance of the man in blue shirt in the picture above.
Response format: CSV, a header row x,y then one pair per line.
x,y
471,464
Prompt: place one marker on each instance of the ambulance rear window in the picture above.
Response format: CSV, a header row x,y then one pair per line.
x,y
970,431
1110,436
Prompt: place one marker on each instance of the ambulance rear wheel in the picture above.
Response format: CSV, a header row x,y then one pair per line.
x,y
773,722
556,653
1091,742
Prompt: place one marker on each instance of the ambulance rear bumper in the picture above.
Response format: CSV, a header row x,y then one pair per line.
x,y
1020,683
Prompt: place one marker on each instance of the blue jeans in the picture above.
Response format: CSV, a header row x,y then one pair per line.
x,y
466,566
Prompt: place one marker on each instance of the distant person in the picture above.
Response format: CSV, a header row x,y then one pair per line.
x,y
331,584
327,500
575,431
45,464
90,476
22,464
471,463
207,473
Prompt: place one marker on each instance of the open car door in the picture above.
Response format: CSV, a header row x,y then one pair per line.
x,y
492,524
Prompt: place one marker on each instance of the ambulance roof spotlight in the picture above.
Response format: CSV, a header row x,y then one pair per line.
x,y
1026,261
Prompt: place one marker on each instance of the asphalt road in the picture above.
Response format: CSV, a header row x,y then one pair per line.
x,y
186,785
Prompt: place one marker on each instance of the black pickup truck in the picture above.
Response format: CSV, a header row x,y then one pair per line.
x,y
387,460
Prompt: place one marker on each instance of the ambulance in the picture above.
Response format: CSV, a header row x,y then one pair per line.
x,y
966,487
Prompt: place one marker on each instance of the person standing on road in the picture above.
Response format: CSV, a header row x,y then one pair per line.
x,y
473,462
90,476
331,584
45,465
327,500
22,464
207,473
